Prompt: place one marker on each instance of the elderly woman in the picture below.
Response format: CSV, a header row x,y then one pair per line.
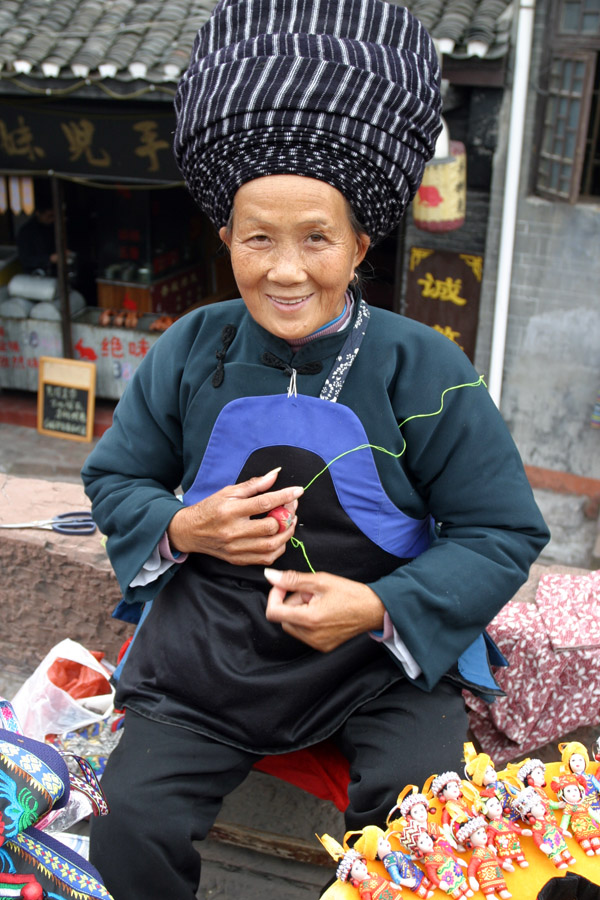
x,y
302,131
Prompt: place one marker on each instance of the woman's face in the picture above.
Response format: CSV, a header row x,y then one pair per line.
x,y
293,252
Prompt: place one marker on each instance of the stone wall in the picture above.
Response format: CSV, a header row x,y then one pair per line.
x,y
53,586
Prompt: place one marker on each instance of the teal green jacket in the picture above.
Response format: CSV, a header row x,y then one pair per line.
x,y
426,501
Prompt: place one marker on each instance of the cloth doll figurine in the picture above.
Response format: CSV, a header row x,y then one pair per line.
x,y
504,834
576,760
370,886
532,773
414,808
441,864
448,788
577,812
480,770
373,843
402,870
484,872
547,836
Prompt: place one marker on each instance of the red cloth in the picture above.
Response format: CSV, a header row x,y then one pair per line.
x,y
321,770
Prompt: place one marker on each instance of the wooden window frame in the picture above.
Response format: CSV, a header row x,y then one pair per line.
x,y
577,48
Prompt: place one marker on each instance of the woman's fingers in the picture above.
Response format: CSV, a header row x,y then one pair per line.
x,y
321,609
233,524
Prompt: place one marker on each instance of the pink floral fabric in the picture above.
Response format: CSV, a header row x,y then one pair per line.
x,y
552,684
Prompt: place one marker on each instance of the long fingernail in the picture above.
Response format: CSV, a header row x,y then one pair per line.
x,y
297,492
273,575
273,472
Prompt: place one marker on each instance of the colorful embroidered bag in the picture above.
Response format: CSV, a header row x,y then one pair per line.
x,y
35,782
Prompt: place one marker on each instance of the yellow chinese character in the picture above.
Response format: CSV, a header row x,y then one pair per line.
x,y
80,136
436,289
19,141
150,143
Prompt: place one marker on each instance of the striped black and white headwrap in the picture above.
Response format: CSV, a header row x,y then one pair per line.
x,y
346,91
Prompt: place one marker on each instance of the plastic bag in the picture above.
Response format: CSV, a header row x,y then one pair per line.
x,y
43,707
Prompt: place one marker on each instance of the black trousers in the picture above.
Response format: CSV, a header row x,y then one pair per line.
x,y
165,784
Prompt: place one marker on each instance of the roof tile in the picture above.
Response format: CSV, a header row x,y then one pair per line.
x,y
152,39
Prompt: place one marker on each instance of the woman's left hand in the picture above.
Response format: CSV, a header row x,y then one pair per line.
x,y
320,609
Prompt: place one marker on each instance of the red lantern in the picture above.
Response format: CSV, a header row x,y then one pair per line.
x,y
441,201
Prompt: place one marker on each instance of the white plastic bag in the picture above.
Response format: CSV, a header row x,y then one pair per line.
x,y
44,708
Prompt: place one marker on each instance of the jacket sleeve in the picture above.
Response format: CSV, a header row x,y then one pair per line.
x,y
463,462
134,470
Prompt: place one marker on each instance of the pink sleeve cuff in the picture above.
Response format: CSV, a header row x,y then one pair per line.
x,y
388,629
164,548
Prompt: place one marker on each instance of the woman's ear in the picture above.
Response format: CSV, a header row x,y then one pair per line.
x,y
363,242
225,235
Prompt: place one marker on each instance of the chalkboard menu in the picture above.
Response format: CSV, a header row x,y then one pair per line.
x,y
66,398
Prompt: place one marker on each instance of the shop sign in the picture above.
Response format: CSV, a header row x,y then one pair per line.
x,y
115,353
443,291
74,140
66,398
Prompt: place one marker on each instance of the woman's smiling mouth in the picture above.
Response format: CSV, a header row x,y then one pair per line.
x,y
288,301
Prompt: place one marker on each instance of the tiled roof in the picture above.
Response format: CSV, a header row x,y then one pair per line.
x,y
151,40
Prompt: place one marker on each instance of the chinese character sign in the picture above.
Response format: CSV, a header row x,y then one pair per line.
x,y
443,290
68,138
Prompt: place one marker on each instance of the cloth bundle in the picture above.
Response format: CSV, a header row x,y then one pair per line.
x,y
345,92
553,650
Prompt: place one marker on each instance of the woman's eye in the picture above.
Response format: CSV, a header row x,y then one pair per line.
x,y
258,238
316,238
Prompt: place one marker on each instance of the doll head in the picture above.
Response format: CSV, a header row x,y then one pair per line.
x,y
479,767
346,863
570,788
492,808
384,848
574,757
532,773
416,839
447,786
358,870
418,810
529,805
473,833
412,805
367,841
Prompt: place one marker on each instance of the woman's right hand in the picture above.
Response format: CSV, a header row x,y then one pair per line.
x,y
223,526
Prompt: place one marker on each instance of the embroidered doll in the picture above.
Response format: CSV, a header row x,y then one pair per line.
x,y
576,760
578,814
480,770
441,864
504,834
402,870
373,843
484,872
414,809
532,773
548,837
370,886
448,789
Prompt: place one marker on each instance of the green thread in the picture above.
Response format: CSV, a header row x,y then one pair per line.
x,y
454,387
298,544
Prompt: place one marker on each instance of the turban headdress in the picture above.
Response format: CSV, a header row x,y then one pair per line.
x,y
345,91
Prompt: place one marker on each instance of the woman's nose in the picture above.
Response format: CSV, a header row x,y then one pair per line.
x,y
287,268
